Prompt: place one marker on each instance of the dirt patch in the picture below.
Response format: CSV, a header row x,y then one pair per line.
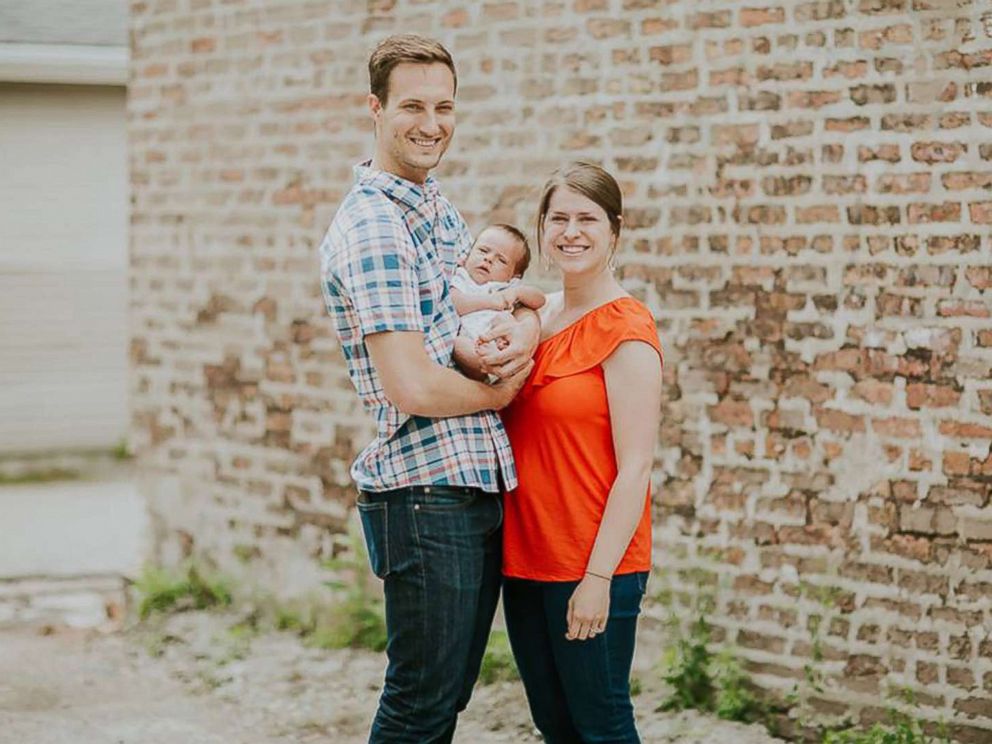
x,y
190,678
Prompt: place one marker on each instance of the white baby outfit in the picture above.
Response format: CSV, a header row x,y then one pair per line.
x,y
476,323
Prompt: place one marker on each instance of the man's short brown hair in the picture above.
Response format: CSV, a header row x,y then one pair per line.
x,y
399,48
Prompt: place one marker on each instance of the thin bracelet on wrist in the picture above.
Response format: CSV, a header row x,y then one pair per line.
x,y
599,576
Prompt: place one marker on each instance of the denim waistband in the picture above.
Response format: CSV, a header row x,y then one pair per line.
x,y
398,494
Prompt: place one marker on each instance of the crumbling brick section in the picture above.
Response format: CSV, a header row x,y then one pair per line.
x,y
809,201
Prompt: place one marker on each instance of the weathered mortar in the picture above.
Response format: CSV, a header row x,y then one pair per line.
x,y
808,214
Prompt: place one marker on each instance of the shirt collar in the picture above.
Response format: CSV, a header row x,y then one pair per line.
x,y
399,189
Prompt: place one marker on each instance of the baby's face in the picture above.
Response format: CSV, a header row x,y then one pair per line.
x,y
494,257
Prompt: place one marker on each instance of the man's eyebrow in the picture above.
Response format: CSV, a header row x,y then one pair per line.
x,y
446,101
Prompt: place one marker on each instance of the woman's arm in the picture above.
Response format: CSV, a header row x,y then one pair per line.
x,y
633,389
526,295
466,303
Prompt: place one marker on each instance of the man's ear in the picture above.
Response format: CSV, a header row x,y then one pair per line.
x,y
375,107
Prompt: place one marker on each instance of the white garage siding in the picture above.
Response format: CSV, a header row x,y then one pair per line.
x,y
63,267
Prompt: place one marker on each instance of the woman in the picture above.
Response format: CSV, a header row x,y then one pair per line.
x,y
577,531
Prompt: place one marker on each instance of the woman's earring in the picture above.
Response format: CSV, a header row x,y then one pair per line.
x,y
612,263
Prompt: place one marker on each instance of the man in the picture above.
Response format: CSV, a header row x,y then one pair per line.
x,y
430,483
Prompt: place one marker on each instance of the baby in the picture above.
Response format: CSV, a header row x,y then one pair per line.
x,y
487,287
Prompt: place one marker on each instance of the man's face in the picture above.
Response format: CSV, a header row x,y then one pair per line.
x,y
414,128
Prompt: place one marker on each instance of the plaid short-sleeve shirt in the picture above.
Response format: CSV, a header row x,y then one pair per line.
x,y
386,263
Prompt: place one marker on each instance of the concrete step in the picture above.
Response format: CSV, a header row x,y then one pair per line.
x,y
66,549
79,602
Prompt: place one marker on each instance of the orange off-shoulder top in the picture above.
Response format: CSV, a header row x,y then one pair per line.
x,y
562,440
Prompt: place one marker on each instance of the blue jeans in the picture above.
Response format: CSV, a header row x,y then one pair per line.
x,y
438,551
578,691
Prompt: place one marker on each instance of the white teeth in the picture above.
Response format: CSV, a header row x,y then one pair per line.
x,y
425,143
573,250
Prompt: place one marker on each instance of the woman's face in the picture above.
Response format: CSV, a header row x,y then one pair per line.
x,y
577,235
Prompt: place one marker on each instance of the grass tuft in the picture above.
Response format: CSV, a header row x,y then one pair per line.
x,y
164,591
497,663
707,682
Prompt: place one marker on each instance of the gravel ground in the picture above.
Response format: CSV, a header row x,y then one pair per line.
x,y
189,679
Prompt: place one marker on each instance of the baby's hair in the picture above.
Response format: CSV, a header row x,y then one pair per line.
x,y
516,234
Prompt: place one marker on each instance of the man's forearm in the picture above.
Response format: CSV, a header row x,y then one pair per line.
x,y
442,391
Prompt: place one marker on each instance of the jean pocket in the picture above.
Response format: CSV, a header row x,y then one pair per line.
x,y
375,526
441,500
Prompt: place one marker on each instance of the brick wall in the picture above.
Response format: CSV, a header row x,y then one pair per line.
x,y
809,201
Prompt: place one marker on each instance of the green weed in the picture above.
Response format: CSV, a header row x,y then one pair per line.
x,y
707,682
497,663
121,451
46,475
358,619
901,729
163,591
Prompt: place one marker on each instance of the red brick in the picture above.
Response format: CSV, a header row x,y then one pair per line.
x,y
718,19
839,421
963,308
203,44
894,35
937,152
607,28
732,413
750,17
901,428
889,153
926,213
980,213
904,183
962,430
671,54
850,70
874,391
458,18
960,181
931,396
956,463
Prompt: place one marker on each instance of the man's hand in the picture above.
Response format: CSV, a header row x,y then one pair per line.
x,y
507,388
467,358
520,337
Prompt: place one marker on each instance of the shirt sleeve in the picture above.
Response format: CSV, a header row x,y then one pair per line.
x,y
378,274
464,240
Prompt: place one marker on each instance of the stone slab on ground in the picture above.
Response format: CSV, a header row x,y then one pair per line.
x,y
189,678
73,528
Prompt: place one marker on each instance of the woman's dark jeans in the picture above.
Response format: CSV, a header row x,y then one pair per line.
x,y
438,551
579,691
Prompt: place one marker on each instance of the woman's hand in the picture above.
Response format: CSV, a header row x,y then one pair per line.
x,y
588,608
